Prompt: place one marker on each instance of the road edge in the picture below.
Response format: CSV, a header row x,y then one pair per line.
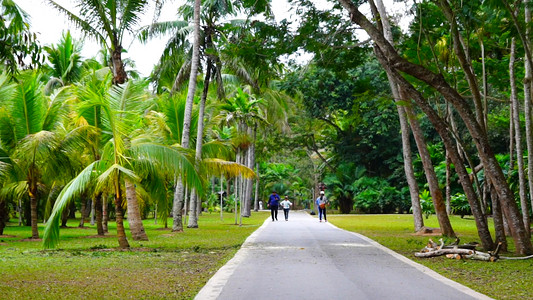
x,y
216,283
422,268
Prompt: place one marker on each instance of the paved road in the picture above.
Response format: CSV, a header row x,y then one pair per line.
x,y
304,259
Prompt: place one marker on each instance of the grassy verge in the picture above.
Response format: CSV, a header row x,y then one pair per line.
x,y
503,279
168,266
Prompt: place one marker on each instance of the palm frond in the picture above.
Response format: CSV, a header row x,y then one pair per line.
x,y
131,14
84,25
229,169
36,148
175,159
73,189
28,105
217,149
179,29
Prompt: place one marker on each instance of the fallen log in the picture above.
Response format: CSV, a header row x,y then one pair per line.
x,y
457,251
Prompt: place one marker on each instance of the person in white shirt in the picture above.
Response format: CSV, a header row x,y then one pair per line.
x,y
286,204
322,202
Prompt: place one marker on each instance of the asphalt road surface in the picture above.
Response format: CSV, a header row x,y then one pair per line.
x,y
304,259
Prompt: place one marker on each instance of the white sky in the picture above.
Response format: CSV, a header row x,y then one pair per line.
x,y
49,24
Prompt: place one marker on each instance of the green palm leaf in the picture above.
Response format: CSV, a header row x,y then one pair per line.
x,y
73,189
219,167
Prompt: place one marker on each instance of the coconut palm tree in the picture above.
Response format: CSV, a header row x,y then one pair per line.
x,y
28,135
65,61
107,21
121,115
21,46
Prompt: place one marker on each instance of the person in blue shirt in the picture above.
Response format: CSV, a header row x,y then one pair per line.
x,y
322,202
273,203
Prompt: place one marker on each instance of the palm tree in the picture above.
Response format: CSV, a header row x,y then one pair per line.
x,y
22,45
29,120
107,21
121,114
65,61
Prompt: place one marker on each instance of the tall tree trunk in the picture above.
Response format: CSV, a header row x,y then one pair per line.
x,y
461,53
119,74
119,216
98,211
134,215
404,126
4,216
83,209
464,178
518,138
185,137
248,182
256,196
105,214
527,101
448,184
193,209
499,226
34,201
393,59
64,216
433,182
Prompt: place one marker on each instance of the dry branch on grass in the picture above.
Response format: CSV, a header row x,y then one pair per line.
x,y
457,251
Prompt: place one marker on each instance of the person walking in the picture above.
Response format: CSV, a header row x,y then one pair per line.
x,y
273,204
322,202
286,205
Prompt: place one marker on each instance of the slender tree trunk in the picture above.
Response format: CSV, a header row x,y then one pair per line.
x,y
221,198
527,101
499,226
404,126
179,191
436,193
134,215
391,58
441,128
448,184
64,217
193,210
4,216
119,216
105,214
98,211
33,210
83,208
256,196
518,138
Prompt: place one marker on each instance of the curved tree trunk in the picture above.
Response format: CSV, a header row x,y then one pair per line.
x,y
404,126
492,168
464,178
134,215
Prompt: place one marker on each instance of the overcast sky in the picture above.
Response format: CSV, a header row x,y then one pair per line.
x,y
49,24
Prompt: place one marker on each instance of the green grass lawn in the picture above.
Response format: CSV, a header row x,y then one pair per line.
x,y
177,265
168,266
504,279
